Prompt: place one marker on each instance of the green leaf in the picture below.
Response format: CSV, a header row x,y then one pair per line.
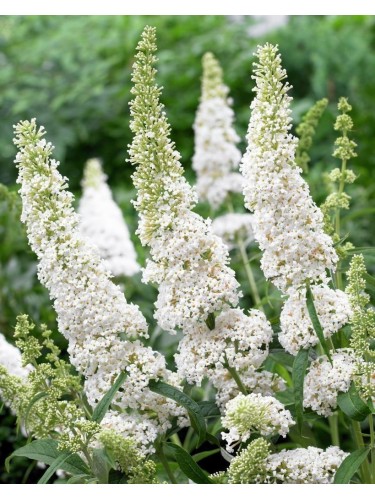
x,y
45,450
364,250
101,465
195,415
352,405
209,409
350,466
188,466
281,357
103,405
204,454
315,321
298,377
34,400
56,464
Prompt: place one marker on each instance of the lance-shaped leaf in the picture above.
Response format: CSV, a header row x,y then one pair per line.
x,y
315,322
298,377
195,415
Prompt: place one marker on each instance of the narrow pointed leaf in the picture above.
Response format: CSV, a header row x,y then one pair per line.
x,y
56,464
34,400
103,405
195,415
45,450
298,377
316,323
352,405
188,466
350,466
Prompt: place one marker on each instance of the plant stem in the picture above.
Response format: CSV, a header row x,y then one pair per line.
x,y
372,441
358,438
164,461
236,378
249,273
334,428
337,215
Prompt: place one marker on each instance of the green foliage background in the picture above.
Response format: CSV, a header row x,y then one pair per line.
x,y
73,74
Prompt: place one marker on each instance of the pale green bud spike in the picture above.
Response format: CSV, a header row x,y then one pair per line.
x,y
362,326
152,149
250,465
93,174
306,131
212,79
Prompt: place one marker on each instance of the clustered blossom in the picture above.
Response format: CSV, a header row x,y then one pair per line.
x,y
256,465
250,413
103,224
231,227
305,465
216,155
287,223
258,382
237,340
297,331
11,359
92,311
188,262
324,381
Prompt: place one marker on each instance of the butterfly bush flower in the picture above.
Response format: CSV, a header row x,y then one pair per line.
x,y
188,262
287,223
103,224
256,465
92,312
216,155
297,331
305,465
231,227
236,340
324,381
245,415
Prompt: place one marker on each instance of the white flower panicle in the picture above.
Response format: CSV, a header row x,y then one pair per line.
x,y
297,331
324,381
188,262
216,154
231,227
92,311
304,465
245,415
103,224
287,223
11,359
237,340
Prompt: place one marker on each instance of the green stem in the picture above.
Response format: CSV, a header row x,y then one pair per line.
x,y
337,215
372,441
236,377
164,461
249,273
358,438
334,428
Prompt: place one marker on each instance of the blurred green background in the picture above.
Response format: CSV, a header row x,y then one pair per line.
x,y
73,74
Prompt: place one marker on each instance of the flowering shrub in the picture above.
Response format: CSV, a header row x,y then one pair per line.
x,y
244,385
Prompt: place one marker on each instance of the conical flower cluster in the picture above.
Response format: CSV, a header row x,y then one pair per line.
x,y
101,327
216,155
287,223
103,224
188,262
